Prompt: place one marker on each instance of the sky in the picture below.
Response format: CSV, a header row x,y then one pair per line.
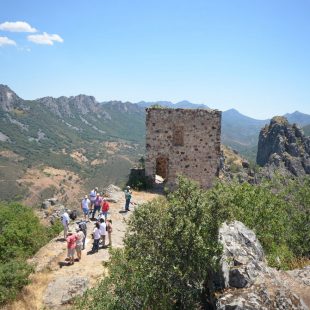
x,y
253,56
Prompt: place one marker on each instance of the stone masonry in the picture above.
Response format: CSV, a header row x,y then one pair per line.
x,y
183,142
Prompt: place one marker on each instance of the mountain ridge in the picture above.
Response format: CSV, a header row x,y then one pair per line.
x,y
124,119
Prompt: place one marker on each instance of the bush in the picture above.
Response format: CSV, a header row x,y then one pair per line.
x,y
13,276
278,211
170,247
21,235
171,244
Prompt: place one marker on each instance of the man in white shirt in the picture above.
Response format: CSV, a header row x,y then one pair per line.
x,y
85,206
65,219
92,197
103,231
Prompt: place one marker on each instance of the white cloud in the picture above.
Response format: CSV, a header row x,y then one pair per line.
x,y
17,27
45,38
6,41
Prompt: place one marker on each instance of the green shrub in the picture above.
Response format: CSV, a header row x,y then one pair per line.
x,y
170,247
21,235
171,244
13,276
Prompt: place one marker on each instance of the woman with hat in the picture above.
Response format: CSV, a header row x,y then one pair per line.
x,y
71,244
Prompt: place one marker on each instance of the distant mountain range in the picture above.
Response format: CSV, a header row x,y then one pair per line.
x,y
179,105
52,131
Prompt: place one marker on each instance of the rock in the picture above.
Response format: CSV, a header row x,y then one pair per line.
x,y
245,164
263,296
53,201
245,280
301,275
63,289
243,257
282,145
45,204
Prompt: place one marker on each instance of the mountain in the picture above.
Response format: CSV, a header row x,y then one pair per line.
x,y
99,142
179,105
299,118
241,132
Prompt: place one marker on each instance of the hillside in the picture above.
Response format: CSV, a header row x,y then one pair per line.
x,y
98,142
94,143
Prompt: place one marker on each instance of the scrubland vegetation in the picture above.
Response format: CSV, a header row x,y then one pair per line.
x,y
21,235
171,244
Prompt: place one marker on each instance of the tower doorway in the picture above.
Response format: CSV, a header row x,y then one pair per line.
x,y
162,168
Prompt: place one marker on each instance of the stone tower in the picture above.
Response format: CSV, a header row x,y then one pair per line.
x,y
183,142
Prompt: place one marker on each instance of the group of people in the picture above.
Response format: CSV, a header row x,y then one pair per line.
x,y
90,205
94,203
75,243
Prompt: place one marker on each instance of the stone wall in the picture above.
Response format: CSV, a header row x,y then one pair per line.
x,y
183,142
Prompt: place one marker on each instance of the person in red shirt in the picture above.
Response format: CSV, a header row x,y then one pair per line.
x,y
105,208
71,244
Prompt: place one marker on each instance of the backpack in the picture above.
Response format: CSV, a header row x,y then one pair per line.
x,y
83,227
73,215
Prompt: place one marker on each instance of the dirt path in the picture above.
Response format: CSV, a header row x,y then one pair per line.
x,y
51,265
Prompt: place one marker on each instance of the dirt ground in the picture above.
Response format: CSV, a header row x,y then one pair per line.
x,y
51,264
62,180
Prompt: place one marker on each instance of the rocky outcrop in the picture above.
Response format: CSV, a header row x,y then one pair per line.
x,y
69,106
8,99
245,280
232,166
62,291
284,146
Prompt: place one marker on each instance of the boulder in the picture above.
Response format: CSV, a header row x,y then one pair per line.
x,y
45,204
246,282
53,201
63,289
243,256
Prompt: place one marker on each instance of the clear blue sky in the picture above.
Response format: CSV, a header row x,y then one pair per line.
x,y
253,56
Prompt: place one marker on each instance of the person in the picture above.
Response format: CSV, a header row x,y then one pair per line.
x,y
79,243
128,195
96,235
83,228
109,231
103,231
71,244
65,222
105,208
97,205
92,197
85,206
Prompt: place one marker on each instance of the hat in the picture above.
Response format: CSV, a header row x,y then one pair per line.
x,y
96,188
98,194
70,231
85,196
128,186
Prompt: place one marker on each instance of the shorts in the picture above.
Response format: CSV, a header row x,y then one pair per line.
x,y
79,248
71,252
85,211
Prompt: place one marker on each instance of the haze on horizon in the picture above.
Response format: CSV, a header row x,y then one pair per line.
x,y
252,56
